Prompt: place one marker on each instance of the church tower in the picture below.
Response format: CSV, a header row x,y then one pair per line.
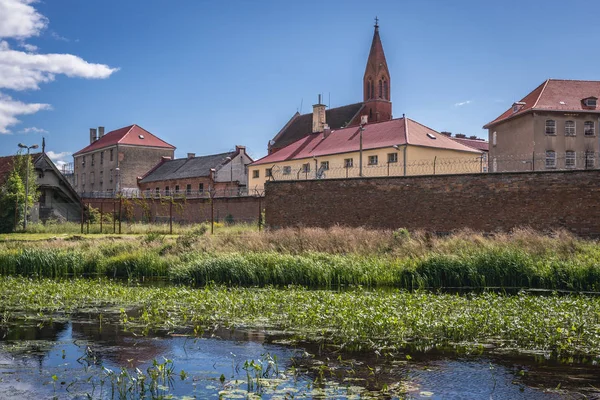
x,y
377,83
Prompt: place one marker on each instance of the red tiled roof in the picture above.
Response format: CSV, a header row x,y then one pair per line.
x,y
382,134
555,95
478,144
131,135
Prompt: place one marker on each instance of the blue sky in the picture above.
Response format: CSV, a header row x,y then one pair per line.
x,y
205,76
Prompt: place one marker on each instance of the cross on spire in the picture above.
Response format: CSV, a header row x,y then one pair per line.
x,y
376,22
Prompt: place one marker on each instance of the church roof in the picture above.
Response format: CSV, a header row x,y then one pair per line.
x,y
130,135
300,126
376,55
399,131
183,168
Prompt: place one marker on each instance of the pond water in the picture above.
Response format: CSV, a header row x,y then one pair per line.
x,y
83,357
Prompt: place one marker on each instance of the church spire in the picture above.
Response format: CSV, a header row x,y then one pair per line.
x,y
377,81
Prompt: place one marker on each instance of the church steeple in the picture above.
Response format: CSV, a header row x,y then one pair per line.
x,y
377,82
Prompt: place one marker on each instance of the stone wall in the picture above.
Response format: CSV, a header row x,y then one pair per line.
x,y
482,202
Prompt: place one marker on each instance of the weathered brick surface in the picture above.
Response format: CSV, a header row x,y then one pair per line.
x,y
483,202
242,209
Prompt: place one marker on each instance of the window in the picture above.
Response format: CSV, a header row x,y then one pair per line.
x,y
380,88
550,127
348,163
255,173
494,139
83,161
306,168
590,159
167,191
386,90
373,160
93,159
111,175
176,189
324,165
550,159
101,158
516,108
570,159
157,191
591,102
201,187
287,170
83,179
147,193
369,89
92,176
111,154
75,180
101,177
494,165
588,128
392,157
569,128
188,189
269,172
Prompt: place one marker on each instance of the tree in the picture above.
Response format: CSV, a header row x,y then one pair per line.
x,y
12,198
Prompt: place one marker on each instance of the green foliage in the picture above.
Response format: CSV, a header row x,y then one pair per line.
x,y
12,197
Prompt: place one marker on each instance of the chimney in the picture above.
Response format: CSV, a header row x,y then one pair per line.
x,y
446,133
473,137
92,135
100,132
460,136
240,149
326,131
318,116
191,155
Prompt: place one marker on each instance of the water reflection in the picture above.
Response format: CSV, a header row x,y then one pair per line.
x,y
77,353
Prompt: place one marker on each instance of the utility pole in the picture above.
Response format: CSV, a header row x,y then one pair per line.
x,y
35,146
360,151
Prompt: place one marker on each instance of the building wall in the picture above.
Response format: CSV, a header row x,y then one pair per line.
x,y
521,143
102,176
483,202
236,170
419,161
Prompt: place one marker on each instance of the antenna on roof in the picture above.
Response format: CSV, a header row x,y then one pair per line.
x,y
329,105
301,102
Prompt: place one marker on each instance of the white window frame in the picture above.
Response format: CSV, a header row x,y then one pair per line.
x,y
590,160
324,166
306,168
348,162
287,170
373,160
574,128
392,158
494,135
588,104
550,159
550,127
570,159
586,129
494,165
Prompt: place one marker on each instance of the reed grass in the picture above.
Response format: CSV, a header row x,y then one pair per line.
x,y
383,320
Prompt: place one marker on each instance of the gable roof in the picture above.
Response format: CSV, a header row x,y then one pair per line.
x,y
478,144
555,95
399,131
131,135
186,167
300,126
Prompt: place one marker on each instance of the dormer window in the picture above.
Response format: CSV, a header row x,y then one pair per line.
x,y
590,102
517,106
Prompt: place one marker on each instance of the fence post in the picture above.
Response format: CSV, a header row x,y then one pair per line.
x,y
212,215
533,161
171,216
101,215
88,218
114,217
82,216
434,160
120,214
259,213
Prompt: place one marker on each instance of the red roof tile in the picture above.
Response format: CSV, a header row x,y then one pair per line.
x,y
131,135
383,134
555,95
478,144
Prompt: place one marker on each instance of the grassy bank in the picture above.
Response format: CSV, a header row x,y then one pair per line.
x,y
387,321
319,259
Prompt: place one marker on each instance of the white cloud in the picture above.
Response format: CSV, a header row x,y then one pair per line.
x,y
61,158
18,19
58,37
462,103
33,129
10,108
24,70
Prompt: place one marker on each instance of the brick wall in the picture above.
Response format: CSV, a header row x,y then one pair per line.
x,y
242,209
483,202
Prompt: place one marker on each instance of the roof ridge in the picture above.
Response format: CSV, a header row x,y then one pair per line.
x,y
541,93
